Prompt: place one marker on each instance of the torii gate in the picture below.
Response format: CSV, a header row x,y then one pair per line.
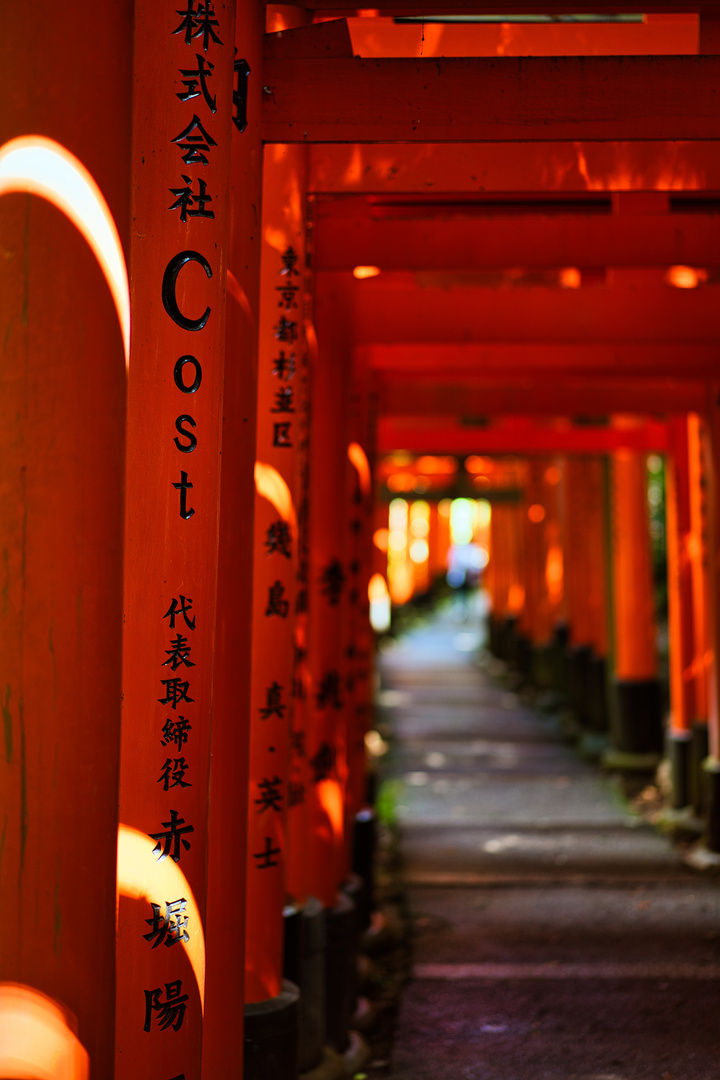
x,y
639,133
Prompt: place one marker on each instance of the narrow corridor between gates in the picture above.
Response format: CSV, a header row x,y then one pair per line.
x,y
555,934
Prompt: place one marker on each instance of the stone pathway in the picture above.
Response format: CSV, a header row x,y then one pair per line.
x,y
556,935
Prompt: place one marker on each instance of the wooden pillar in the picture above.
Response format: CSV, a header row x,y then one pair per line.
x,y
586,583
680,609
62,402
329,702
182,128
712,762
698,553
636,726
222,1055
281,345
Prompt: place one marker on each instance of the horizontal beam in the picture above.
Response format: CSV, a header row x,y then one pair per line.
x,y
529,7
458,240
443,436
442,308
462,361
430,168
489,99
559,396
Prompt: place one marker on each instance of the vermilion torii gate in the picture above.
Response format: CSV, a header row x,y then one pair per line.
x,y
524,212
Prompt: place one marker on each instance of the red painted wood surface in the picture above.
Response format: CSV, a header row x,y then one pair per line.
x,y
584,535
513,435
528,393
447,308
698,553
231,690
388,7
445,361
62,394
178,271
281,350
635,651
328,707
484,237
462,168
681,621
486,100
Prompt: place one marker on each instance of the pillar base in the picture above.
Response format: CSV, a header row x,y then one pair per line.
x,y
698,782
305,966
340,971
629,762
541,673
509,639
597,704
678,751
364,848
711,768
577,664
637,725
524,656
270,1049
331,1066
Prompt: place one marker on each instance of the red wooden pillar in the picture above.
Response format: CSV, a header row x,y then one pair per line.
x,y
62,402
680,608
698,553
223,1032
182,128
327,639
281,344
636,724
586,588
712,762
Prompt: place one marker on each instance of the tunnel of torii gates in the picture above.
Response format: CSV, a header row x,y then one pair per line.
x,y
338,237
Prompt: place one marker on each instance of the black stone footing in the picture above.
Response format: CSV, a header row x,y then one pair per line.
x,y
711,767
678,752
364,847
271,1037
305,965
698,778
340,971
597,704
577,665
637,724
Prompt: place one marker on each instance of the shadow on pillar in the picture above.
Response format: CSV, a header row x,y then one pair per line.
x,y
271,1036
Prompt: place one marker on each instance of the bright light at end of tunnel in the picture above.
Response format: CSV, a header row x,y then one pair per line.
x,y
685,277
362,272
41,166
379,598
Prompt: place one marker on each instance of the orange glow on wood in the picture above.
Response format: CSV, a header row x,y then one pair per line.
x,y
38,1039
358,458
41,166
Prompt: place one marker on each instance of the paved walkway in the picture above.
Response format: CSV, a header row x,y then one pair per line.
x,y
557,936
